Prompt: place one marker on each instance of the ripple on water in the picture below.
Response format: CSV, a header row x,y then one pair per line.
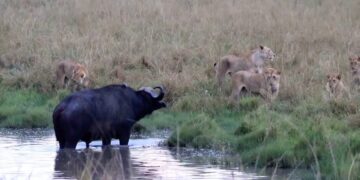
x,y
33,154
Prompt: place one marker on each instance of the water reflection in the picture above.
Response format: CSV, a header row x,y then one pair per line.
x,y
106,164
33,154
136,163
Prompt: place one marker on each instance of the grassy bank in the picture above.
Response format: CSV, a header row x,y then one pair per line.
x,y
175,43
27,108
322,137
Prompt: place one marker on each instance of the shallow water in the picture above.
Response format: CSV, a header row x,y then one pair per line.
x,y
33,154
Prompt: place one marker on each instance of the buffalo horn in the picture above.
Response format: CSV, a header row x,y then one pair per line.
x,y
161,94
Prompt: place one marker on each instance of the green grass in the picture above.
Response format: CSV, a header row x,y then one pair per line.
x,y
26,108
311,133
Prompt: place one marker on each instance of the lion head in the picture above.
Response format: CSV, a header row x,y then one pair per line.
x,y
266,53
355,64
333,80
272,77
79,74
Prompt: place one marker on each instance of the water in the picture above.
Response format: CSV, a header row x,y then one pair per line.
x,y
33,154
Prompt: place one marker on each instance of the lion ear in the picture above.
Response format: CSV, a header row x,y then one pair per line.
x,y
214,64
278,72
328,76
338,76
358,58
261,47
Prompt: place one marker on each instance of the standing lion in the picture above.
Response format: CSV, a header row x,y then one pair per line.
x,y
355,72
266,84
253,61
68,71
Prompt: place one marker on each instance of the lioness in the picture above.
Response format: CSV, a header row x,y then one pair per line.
x,y
335,87
266,84
355,72
68,71
254,60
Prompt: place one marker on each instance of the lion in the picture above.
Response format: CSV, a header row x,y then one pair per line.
x,y
254,60
335,87
355,72
68,71
266,84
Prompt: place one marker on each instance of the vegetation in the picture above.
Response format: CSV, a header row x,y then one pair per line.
x,y
175,43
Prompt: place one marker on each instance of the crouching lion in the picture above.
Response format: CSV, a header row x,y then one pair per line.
x,y
335,87
266,84
253,61
68,72
355,72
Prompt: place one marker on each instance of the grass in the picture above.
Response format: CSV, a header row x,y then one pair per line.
x,y
175,43
27,108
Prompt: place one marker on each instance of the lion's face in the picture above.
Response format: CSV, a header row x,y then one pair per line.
x,y
355,64
79,75
272,77
333,80
266,53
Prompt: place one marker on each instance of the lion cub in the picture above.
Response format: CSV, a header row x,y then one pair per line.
x,y
265,84
335,87
68,70
355,72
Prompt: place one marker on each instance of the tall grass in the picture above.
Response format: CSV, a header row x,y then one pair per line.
x,y
175,43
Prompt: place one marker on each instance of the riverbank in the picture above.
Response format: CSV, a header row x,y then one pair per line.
x,y
311,133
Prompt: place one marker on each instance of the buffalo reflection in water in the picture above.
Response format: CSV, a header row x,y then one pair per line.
x,y
89,164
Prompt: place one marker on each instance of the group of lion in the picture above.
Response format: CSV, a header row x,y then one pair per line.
x,y
249,76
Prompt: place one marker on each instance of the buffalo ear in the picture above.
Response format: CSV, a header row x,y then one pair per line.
x,y
261,47
338,76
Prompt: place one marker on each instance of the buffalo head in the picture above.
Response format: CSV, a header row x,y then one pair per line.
x,y
153,96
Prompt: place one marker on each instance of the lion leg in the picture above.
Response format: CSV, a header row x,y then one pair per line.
x,y
66,82
221,70
220,79
234,97
60,79
266,95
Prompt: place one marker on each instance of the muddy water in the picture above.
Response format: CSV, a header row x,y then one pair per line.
x,y
33,154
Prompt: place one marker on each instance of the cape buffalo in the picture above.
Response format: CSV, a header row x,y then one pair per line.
x,y
104,113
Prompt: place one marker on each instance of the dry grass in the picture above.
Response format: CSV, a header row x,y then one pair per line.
x,y
176,42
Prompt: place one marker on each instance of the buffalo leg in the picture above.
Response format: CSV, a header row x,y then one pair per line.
x,y
106,141
124,137
87,144
70,144
62,145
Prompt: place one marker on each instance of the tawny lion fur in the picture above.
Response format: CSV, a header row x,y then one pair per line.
x,y
266,84
252,61
355,72
335,87
68,71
